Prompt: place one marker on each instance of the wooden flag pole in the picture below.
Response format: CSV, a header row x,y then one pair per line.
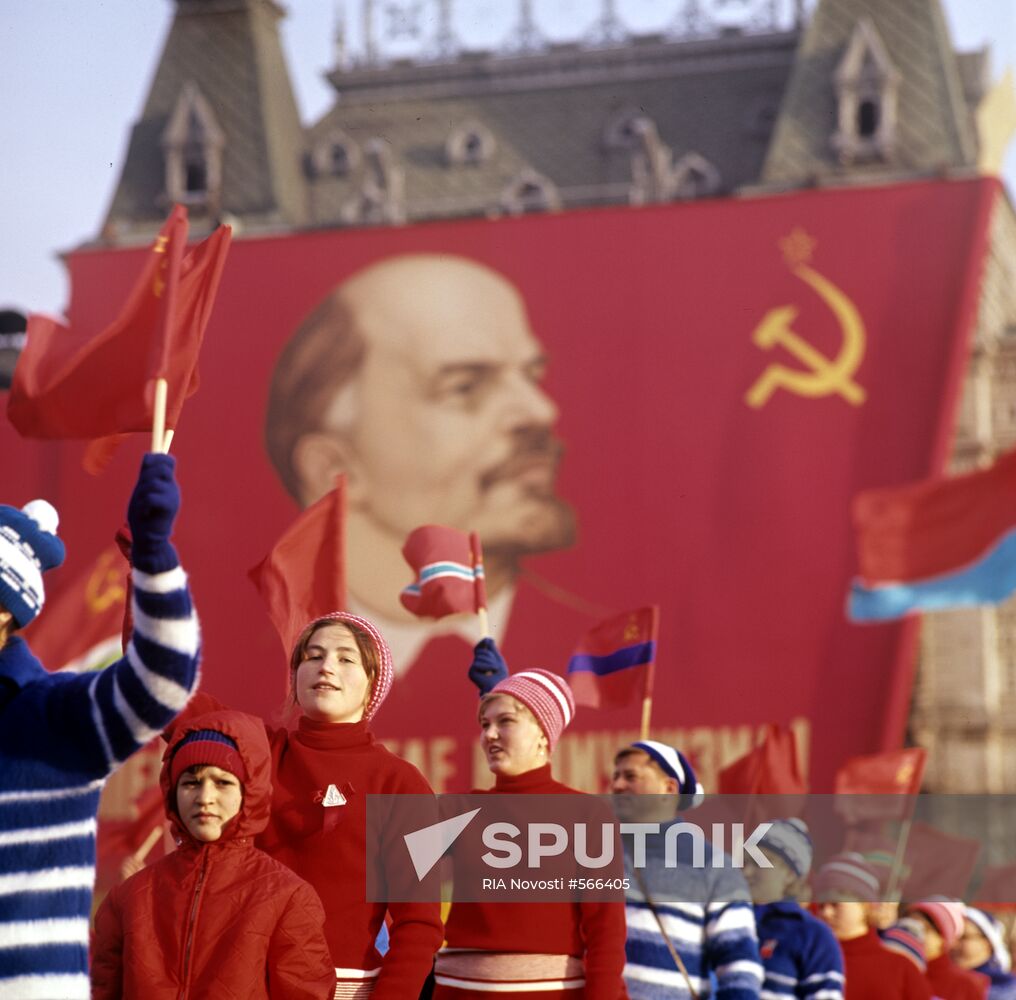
x,y
168,440
647,711
150,841
159,417
895,875
481,613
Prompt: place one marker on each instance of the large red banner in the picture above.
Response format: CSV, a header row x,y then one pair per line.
x,y
722,377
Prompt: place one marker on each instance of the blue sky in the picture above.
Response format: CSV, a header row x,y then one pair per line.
x,y
76,73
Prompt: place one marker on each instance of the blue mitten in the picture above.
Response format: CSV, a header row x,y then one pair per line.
x,y
151,512
488,667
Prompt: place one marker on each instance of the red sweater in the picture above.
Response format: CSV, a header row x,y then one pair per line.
x,y
950,982
327,847
592,931
875,973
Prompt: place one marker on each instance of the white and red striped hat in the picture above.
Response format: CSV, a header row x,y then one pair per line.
x,y
847,876
385,673
546,695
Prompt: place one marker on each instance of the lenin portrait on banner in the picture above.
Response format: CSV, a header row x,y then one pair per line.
x,y
419,378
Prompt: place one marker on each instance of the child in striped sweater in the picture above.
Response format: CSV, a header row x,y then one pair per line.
x,y
62,735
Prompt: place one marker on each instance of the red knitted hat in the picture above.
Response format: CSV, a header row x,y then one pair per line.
x,y
546,695
209,747
946,917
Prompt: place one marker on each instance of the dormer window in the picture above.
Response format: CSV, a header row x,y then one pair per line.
x,y
192,145
529,192
625,130
334,155
470,144
693,176
867,86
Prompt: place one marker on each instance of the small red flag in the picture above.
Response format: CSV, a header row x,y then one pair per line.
x,y
880,786
77,383
304,576
998,887
118,838
938,864
612,665
770,768
449,572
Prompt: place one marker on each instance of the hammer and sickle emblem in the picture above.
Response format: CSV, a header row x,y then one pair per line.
x,y
824,376
105,585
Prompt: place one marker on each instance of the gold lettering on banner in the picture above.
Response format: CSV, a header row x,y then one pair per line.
x,y
586,760
105,585
159,281
822,376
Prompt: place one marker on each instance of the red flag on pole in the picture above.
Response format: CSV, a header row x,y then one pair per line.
x,y
449,572
88,384
938,864
612,665
304,576
881,785
770,768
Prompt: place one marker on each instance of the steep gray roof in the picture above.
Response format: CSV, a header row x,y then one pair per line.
x,y
229,50
935,130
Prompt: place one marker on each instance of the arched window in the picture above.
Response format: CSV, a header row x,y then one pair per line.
x,y
469,144
529,191
192,145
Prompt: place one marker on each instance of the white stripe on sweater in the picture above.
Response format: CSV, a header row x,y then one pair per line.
x,y
836,977
160,583
678,929
166,692
743,966
178,634
41,834
529,986
661,977
47,794
46,987
141,732
737,918
33,933
100,728
48,880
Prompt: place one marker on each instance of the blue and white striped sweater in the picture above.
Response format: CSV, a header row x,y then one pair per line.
x,y
707,915
61,735
801,955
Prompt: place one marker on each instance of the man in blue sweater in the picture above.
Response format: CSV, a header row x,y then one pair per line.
x,y
62,734
697,912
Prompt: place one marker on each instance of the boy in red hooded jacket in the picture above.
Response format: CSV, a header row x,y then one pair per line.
x,y
217,917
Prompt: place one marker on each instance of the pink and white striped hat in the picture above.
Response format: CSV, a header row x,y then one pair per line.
x,y
546,695
847,876
946,916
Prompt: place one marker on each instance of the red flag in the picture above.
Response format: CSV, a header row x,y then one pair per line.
x,y
304,576
932,527
770,768
867,787
83,624
896,772
449,572
998,887
612,665
87,384
939,864
118,838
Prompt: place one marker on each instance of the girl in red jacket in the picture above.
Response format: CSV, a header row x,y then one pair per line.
x,y
216,917
340,673
540,950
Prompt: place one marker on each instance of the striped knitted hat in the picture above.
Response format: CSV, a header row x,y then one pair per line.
x,y
946,916
28,547
789,838
546,695
209,747
675,765
906,938
385,674
848,876
993,933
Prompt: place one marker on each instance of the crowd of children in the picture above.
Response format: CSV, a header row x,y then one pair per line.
x,y
264,895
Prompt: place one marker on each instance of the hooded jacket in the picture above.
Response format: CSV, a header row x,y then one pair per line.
x,y
218,919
